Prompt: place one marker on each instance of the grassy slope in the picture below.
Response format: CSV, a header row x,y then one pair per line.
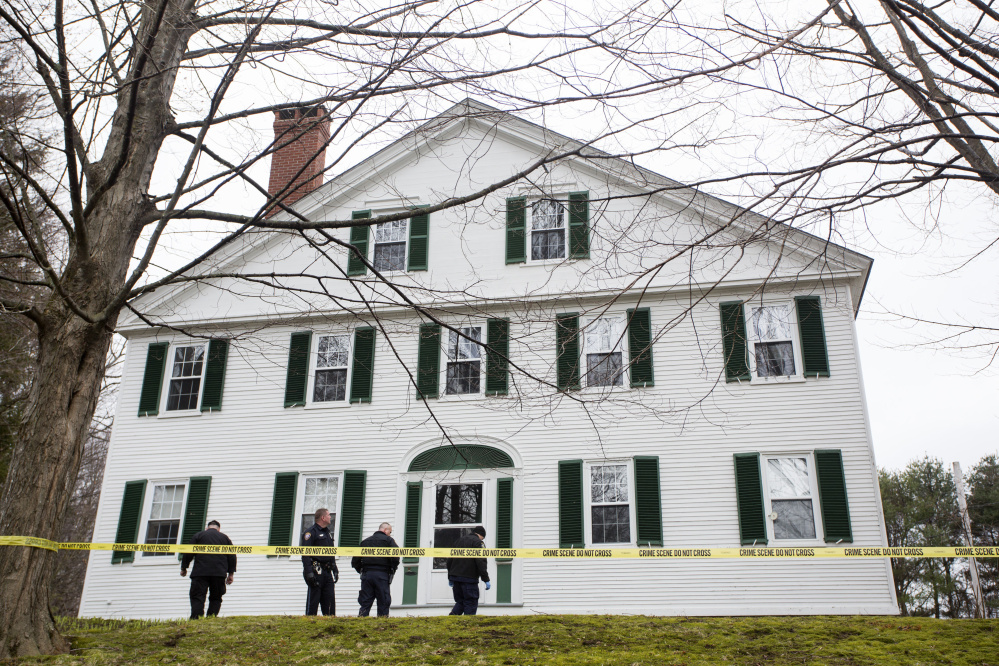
x,y
533,640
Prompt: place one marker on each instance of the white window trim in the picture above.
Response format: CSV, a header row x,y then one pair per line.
x,y
798,376
625,359
372,243
147,505
168,372
300,501
310,385
563,198
445,340
813,484
587,503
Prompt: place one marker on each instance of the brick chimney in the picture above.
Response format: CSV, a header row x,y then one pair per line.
x,y
300,137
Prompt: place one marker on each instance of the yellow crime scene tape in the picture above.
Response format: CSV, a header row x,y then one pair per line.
x,y
755,553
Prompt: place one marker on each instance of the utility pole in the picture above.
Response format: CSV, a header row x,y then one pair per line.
x,y
962,503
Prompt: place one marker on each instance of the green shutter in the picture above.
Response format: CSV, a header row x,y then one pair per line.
x,y
832,495
196,509
749,497
218,354
648,502
298,369
359,239
734,346
504,582
497,356
504,513
516,230
428,362
414,501
352,508
283,509
419,242
362,377
567,351
410,584
128,520
152,380
640,348
812,332
579,225
570,504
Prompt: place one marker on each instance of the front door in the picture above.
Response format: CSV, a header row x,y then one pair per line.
x,y
457,508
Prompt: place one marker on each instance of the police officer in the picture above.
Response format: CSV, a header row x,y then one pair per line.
x,y
376,572
211,573
320,571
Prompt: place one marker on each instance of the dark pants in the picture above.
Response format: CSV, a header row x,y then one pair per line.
x,y
374,585
200,585
322,595
466,598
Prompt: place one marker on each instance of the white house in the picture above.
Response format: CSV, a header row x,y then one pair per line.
x,y
618,399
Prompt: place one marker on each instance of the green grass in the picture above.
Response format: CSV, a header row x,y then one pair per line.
x,y
546,639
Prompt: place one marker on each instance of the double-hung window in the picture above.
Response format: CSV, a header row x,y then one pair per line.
x,y
332,357
548,230
464,361
185,378
165,511
790,495
602,345
771,334
319,492
610,510
390,246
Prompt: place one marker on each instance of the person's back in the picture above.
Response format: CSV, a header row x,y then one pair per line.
x,y
212,564
463,574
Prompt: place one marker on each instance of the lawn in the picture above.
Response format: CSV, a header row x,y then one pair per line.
x,y
544,639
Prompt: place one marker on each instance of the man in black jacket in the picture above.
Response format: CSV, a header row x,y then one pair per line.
x,y
463,574
211,573
376,572
320,571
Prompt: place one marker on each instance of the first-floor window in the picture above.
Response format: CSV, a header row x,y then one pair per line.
x,y
610,516
185,378
792,510
331,368
464,361
390,246
457,510
602,345
771,333
165,512
321,492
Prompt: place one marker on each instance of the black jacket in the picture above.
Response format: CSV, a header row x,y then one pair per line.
x,y
318,537
377,540
468,567
208,564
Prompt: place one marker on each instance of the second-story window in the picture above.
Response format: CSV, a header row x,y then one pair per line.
x,y
331,368
185,378
390,246
771,333
602,343
464,361
548,223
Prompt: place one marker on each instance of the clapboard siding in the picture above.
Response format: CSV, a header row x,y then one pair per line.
x,y
242,446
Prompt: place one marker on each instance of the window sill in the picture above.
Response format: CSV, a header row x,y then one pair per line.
x,y
543,263
332,404
792,379
178,413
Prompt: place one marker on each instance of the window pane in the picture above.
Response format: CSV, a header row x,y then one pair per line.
x,y
463,377
548,244
772,322
466,346
608,483
795,519
604,369
390,257
183,394
458,504
774,359
788,477
547,214
391,232
604,334
161,531
187,361
447,537
330,386
320,493
332,352
309,519
611,524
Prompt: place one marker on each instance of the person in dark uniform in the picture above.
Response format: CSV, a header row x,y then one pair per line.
x,y
376,572
211,573
463,574
320,571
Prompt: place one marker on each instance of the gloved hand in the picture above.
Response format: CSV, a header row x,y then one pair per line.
x,y
450,583
488,584
336,577
310,579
